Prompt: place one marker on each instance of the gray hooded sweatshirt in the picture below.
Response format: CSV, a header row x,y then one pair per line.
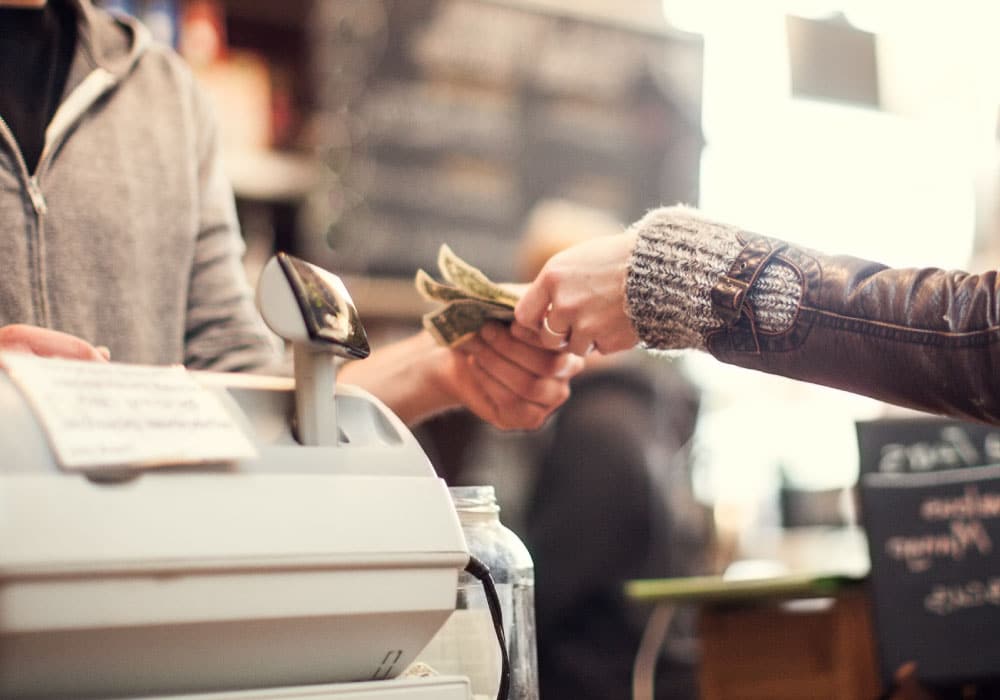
x,y
126,233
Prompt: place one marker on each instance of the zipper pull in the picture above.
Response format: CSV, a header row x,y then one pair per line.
x,y
37,198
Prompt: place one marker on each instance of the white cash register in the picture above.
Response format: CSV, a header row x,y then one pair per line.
x,y
316,563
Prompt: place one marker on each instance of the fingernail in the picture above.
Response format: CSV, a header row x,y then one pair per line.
x,y
104,351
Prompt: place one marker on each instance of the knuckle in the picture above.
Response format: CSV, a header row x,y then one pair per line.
x,y
504,419
521,315
550,275
530,387
483,362
537,390
511,402
562,394
501,341
507,404
520,332
551,364
535,420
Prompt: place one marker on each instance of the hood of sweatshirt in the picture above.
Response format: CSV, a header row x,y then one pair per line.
x,y
111,44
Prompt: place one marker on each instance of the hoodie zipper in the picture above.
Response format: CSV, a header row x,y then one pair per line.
x,y
37,199
39,296
31,181
76,104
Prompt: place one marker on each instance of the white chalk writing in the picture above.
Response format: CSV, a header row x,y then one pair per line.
x,y
971,504
920,551
945,599
954,449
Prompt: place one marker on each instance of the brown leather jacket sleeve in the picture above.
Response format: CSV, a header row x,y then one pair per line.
x,y
924,338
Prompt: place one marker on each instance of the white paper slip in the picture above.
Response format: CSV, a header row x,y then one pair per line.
x,y
111,415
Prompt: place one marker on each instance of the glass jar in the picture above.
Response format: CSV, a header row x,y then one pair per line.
x,y
467,645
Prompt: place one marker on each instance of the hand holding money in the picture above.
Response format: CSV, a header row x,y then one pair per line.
x,y
468,297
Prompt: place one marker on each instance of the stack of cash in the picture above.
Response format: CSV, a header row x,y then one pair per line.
x,y
468,299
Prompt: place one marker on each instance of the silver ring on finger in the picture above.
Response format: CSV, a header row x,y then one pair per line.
x,y
563,337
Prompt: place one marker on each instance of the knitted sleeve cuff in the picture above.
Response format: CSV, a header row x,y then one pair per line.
x,y
679,256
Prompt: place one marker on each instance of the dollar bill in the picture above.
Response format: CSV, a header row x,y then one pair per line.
x,y
468,297
471,280
432,290
459,320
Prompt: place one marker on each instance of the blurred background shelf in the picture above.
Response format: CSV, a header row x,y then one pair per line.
x,y
397,125
273,176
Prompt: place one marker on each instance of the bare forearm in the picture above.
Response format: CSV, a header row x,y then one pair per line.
x,y
405,375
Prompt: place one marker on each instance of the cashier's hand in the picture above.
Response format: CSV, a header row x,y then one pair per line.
x,y
509,383
48,343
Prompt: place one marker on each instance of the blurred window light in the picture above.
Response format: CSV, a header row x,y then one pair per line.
x,y
846,180
706,16
825,174
894,185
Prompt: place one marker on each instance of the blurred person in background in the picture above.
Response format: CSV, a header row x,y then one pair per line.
x,y
607,498
119,234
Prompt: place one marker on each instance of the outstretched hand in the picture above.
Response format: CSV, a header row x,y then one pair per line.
x,y
577,302
49,343
509,383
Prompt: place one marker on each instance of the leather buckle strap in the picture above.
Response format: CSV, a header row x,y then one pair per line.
x,y
729,295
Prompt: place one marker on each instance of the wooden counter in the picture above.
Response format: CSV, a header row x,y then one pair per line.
x,y
800,633
820,648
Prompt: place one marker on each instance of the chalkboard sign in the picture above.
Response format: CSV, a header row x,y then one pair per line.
x,y
931,508
917,445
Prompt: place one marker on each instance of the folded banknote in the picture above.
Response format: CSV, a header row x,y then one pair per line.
x,y
468,299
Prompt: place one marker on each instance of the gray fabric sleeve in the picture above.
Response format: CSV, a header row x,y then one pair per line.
x,y
223,330
679,256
